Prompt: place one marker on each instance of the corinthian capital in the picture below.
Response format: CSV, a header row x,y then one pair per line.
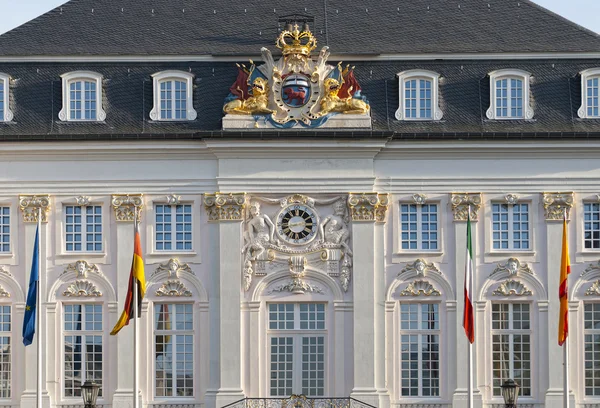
x,y
31,204
555,205
461,203
125,206
368,206
225,206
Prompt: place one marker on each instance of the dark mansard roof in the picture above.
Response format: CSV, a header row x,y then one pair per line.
x,y
241,27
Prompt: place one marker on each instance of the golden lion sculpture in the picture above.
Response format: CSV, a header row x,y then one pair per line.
x,y
255,104
331,102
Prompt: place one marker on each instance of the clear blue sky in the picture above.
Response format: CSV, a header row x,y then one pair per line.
x,y
583,12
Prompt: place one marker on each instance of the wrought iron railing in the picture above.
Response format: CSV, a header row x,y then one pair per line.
x,y
299,401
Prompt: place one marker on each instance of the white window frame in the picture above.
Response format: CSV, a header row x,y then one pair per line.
x,y
171,75
511,241
84,241
592,332
585,75
419,231
11,350
583,222
8,114
173,249
436,112
510,74
77,76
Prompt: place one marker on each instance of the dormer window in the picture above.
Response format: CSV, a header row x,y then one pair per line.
x,y
173,96
418,96
509,95
590,86
5,113
82,97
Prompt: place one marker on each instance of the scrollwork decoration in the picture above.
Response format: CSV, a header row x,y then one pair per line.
x,y
513,266
368,206
420,266
173,288
461,202
173,267
594,289
512,287
555,205
126,206
420,288
225,206
82,288
81,269
30,205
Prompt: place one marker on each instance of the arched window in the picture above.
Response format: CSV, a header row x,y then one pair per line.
x,y
509,95
590,97
12,308
173,96
6,114
418,96
82,97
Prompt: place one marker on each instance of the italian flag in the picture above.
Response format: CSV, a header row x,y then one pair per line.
x,y
468,322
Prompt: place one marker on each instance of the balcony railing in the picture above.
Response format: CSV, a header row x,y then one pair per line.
x,y
299,401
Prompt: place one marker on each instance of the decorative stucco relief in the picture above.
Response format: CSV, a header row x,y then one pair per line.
x,y
82,288
225,206
368,206
555,205
512,287
126,206
173,267
461,202
594,289
173,288
419,266
420,288
30,206
81,269
512,266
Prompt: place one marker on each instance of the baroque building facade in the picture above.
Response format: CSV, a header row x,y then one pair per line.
x,y
303,229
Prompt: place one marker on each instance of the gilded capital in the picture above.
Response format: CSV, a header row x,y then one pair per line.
x,y
368,206
125,206
225,206
31,204
555,205
461,203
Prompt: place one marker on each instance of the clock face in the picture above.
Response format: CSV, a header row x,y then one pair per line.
x,y
297,224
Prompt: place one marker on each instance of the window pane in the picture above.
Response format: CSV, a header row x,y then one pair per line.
x,y
4,227
5,351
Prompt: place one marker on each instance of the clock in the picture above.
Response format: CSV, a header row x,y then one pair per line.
x,y
297,224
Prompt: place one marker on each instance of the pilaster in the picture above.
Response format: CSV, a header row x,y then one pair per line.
x,y
368,212
227,209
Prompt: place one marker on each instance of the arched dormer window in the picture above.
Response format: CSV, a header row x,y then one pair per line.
x,y
82,97
509,95
590,98
6,114
418,96
173,99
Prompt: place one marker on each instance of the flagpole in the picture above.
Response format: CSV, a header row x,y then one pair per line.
x,y
566,350
469,344
38,315
135,328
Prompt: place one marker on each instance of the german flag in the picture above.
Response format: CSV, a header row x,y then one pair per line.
x,y
136,274
563,291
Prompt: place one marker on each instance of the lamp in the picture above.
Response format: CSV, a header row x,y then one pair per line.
x,y
89,392
510,393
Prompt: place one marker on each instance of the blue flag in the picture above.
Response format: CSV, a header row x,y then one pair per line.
x,y
31,304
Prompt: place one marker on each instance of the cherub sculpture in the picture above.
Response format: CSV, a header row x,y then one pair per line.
x,y
334,230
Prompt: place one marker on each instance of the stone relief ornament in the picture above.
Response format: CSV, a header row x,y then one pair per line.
x,y
420,266
5,271
82,288
594,289
420,288
461,203
173,288
555,205
368,206
512,287
30,205
297,285
225,207
511,199
512,266
334,228
83,200
126,206
419,199
591,268
295,90
81,269
346,273
259,234
173,267
173,199
3,292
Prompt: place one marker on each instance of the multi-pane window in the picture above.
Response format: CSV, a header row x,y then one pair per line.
x,y
2,101
83,347
592,348
510,226
419,226
297,350
173,227
417,99
4,229
173,100
509,98
420,349
591,225
83,228
174,350
511,345
5,351
82,100
592,97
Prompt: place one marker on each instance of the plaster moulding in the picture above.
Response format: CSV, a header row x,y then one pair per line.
x,y
30,205
461,203
420,266
591,268
555,205
173,199
512,266
420,288
225,206
173,288
419,199
594,289
81,269
368,206
511,199
174,267
83,200
82,288
512,287
126,206
4,292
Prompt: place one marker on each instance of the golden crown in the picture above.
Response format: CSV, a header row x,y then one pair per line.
x,y
293,41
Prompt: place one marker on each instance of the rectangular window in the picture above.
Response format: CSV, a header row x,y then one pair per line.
x,y
420,349
592,348
83,347
2,100
173,233
4,229
417,98
173,100
83,228
5,351
511,345
82,100
509,98
510,226
297,349
419,226
592,97
591,225
174,350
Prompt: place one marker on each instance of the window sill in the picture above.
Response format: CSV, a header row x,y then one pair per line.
x,y
81,254
170,254
514,252
171,121
87,122
413,252
410,256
